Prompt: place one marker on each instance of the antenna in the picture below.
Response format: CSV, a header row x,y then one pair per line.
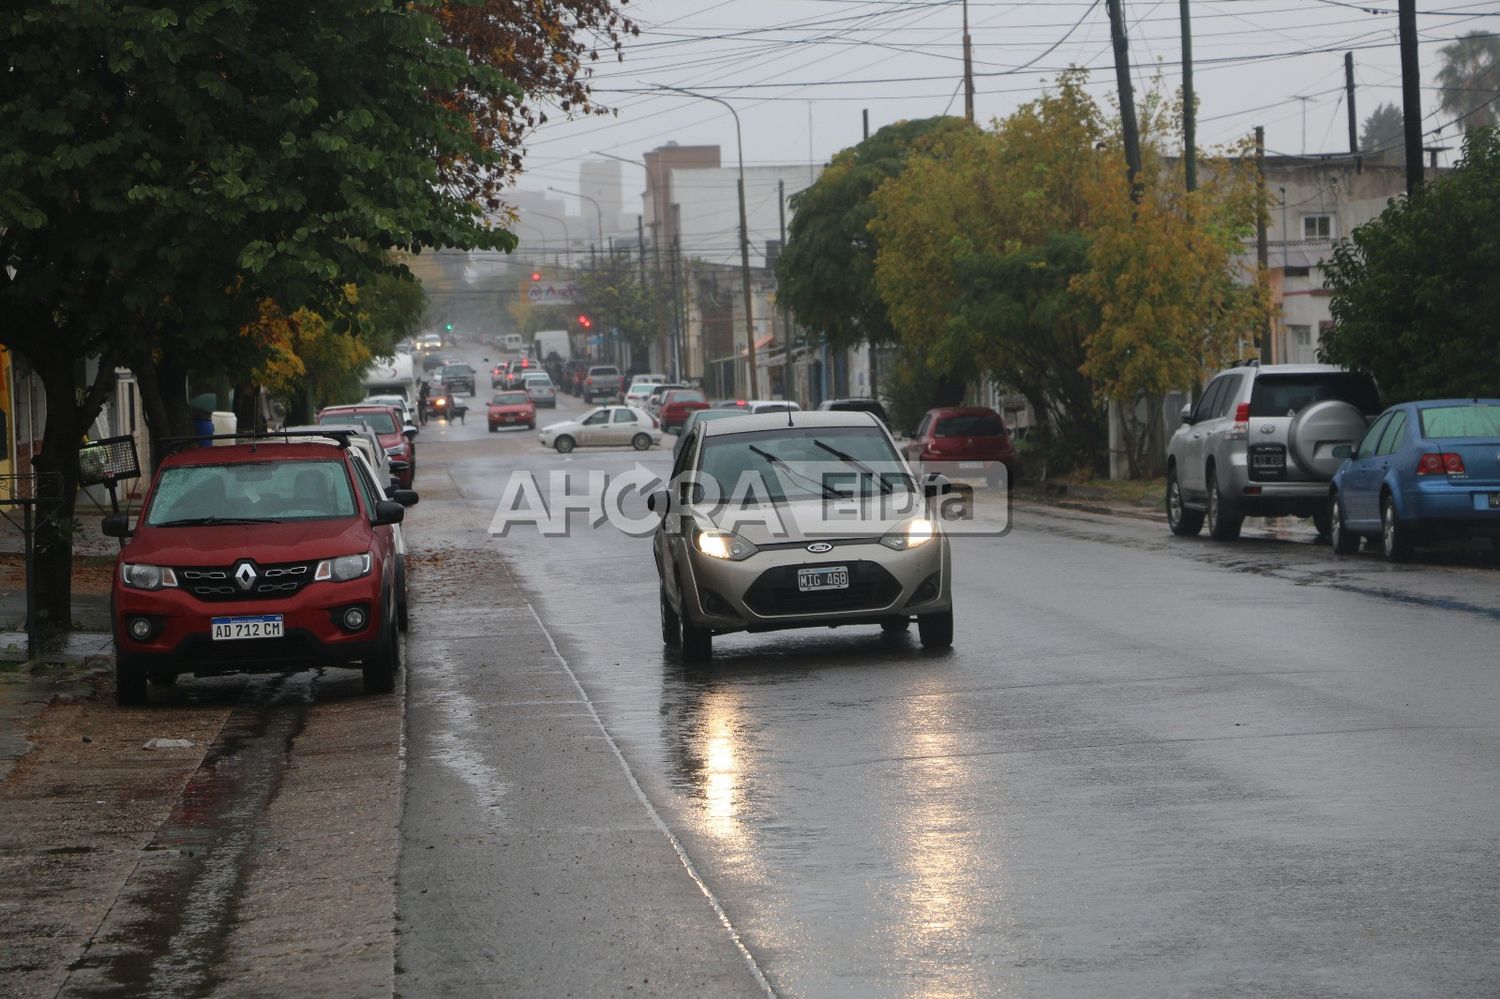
x,y
789,415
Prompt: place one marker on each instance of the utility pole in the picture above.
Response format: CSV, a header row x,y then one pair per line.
x,y
1189,109
679,311
866,114
1411,93
968,69
786,325
1127,97
1262,248
1349,100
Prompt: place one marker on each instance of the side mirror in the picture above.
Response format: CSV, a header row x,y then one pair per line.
x,y
1343,450
406,497
1187,413
659,502
388,512
935,484
116,525
409,432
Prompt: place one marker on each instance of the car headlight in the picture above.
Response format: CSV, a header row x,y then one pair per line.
x,y
913,534
395,452
343,568
724,545
146,577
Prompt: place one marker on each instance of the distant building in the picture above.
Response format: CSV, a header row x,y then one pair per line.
x,y
659,196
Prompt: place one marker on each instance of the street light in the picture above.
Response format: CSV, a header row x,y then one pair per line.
x,y
739,142
567,239
598,212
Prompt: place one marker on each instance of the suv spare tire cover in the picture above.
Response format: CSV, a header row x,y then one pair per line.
x,y
1318,429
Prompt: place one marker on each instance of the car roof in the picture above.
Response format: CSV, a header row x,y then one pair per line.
x,y
752,422
269,449
357,407
963,411
1289,369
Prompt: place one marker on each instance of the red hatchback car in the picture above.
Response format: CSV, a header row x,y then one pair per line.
x,y
512,409
264,556
676,404
968,441
393,435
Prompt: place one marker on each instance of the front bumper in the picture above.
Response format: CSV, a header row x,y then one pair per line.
x,y
312,636
761,593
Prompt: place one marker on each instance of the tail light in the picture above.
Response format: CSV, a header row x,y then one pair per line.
x,y
1441,463
1241,428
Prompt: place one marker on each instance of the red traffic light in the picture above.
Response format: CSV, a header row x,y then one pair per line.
x,y
585,321
536,275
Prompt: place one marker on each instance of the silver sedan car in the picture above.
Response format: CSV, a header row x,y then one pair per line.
x,y
798,520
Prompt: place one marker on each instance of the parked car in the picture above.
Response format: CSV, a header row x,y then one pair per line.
x,y
854,406
457,378
400,403
656,391
538,385
674,405
640,389
694,418
1261,442
396,437
362,439
720,575
257,557
1424,471
511,408
604,426
965,441
603,381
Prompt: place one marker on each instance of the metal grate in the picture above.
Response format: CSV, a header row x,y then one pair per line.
x,y
110,460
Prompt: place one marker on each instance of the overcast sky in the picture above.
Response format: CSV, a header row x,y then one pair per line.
x,y
800,72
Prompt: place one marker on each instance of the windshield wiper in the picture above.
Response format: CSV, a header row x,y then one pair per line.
x,y
849,459
207,521
828,491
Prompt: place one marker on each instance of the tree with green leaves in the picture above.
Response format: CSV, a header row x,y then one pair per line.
x,y
1384,132
826,273
1416,291
616,298
168,169
1469,80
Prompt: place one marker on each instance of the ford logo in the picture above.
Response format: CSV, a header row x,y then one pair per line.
x,y
819,547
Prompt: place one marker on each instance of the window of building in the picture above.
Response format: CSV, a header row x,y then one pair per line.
x,y
1317,227
1299,343
1294,271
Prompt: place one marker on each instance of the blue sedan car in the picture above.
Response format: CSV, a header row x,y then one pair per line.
x,y
1424,471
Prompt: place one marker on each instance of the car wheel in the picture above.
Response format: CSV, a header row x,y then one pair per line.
x,y
531,426
895,625
1180,519
1395,540
641,442
671,624
697,643
936,630
1343,541
1223,524
380,669
402,621
130,683
493,428
564,444
1321,523
162,679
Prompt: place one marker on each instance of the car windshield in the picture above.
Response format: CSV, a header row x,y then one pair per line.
x,y
802,463
457,369
969,425
1448,422
509,399
377,420
250,492
1288,395
542,380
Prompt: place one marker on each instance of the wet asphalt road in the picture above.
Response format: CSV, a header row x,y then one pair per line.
x,y
1150,766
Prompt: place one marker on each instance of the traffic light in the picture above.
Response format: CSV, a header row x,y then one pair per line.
x,y
448,327
585,321
536,275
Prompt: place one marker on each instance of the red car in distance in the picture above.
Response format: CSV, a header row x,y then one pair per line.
x,y
512,408
676,404
270,555
964,442
393,435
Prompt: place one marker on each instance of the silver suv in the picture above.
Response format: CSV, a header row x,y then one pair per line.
x,y
1260,443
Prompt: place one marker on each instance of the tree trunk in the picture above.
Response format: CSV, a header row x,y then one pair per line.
x,y
56,523
166,408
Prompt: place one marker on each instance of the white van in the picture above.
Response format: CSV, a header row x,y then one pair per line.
x,y
512,342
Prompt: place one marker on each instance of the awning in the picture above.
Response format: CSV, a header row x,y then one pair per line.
x,y
760,345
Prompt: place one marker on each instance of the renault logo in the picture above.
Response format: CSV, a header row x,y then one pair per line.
x,y
244,576
819,547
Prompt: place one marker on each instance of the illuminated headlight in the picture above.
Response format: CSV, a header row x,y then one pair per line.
x,y
913,534
146,577
343,568
724,544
